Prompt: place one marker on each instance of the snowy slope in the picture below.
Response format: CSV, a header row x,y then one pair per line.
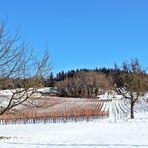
x,y
94,134
113,132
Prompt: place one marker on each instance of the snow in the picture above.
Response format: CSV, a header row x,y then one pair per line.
x,y
112,132
95,134
6,92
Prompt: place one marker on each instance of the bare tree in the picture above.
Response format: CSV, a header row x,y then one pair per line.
x,y
21,69
134,83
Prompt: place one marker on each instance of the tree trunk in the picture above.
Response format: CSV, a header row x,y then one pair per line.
x,y
132,110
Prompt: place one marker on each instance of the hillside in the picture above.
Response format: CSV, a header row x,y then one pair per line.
x,y
116,130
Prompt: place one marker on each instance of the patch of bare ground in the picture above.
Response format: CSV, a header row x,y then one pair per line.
x,y
3,138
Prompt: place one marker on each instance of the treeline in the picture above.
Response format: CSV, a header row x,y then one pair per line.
x,y
13,83
130,77
87,82
84,84
74,83
70,74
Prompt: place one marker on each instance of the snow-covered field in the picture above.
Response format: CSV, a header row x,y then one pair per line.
x,y
117,131
95,134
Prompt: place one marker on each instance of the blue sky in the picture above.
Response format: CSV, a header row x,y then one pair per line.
x,y
82,33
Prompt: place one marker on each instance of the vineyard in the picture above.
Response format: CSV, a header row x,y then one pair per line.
x,y
56,109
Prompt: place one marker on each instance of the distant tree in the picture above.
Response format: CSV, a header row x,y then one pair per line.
x,y
51,80
134,83
115,74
